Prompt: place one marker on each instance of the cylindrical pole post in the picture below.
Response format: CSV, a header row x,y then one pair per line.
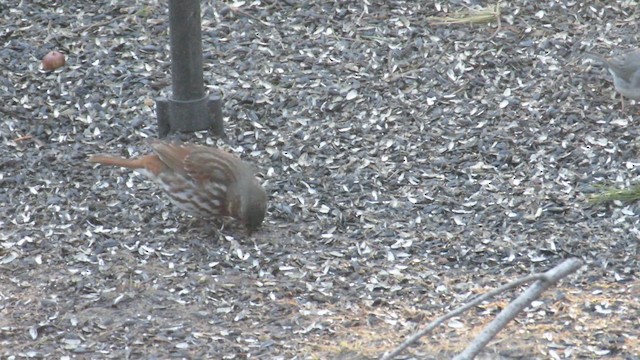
x,y
189,109
186,49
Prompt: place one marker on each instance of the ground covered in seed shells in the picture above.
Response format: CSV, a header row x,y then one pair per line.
x,y
409,166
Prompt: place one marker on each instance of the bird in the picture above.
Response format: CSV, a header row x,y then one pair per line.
x,y
625,70
203,181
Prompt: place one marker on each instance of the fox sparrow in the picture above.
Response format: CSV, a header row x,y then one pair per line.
x,y
203,181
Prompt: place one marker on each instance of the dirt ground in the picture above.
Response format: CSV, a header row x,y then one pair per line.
x,y
409,165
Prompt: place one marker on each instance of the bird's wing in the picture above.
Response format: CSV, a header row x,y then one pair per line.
x,y
213,165
172,155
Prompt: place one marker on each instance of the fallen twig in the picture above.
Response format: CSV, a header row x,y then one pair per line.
x,y
543,282
479,16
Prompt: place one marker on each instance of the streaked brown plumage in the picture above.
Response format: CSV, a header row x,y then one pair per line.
x,y
203,181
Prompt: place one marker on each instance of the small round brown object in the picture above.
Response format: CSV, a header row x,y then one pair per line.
x,y
53,60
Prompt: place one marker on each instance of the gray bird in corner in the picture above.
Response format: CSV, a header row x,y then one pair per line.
x,y
625,70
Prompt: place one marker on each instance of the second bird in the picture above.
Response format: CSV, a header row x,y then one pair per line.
x,y
625,70
203,181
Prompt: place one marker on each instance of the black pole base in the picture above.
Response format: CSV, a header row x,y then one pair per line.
x,y
190,115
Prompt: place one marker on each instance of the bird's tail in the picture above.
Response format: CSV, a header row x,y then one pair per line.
x,y
596,57
116,161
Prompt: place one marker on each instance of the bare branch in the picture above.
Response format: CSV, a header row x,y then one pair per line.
x,y
543,282
547,280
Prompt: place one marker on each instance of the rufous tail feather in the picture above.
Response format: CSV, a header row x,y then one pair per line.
x,y
116,161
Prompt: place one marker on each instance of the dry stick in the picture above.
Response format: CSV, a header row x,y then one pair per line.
x,y
470,16
420,68
23,138
497,14
459,311
237,10
101,23
546,279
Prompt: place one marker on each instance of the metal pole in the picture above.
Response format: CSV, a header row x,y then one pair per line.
x,y
186,49
189,108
